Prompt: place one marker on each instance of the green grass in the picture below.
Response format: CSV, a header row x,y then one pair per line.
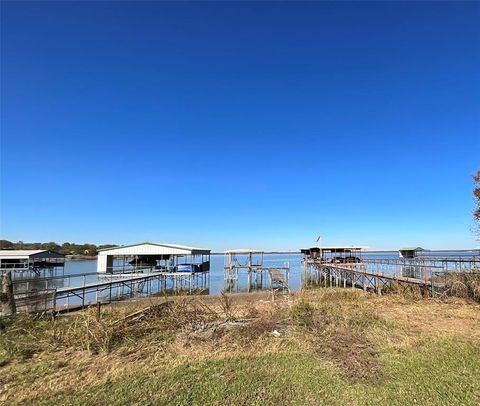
x,y
269,379
441,373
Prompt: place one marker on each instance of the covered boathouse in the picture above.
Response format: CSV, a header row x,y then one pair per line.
x,y
411,252
158,257
334,254
30,260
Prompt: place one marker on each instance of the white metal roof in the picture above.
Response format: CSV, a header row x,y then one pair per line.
x,y
149,248
243,251
25,254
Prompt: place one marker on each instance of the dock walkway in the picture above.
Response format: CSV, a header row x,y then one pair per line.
x,y
106,289
375,275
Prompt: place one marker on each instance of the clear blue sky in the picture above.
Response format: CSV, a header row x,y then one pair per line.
x,y
240,124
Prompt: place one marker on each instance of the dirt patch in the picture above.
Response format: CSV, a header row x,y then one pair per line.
x,y
340,337
353,353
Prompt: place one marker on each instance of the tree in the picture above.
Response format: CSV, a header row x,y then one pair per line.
x,y
476,196
52,246
6,245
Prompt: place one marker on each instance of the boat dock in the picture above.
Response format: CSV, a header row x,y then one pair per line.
x,y
104,289
251,262
357,276
37,262
346,267
122,272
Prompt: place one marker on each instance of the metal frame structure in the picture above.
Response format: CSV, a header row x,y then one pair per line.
x,y
140,269
36,261
277,278
380,274
107,288
411,252
153,257
335,254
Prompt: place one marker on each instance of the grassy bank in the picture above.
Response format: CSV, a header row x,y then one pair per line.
x,y
322,346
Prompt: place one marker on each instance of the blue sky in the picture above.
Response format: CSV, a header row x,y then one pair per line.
x,y
240,124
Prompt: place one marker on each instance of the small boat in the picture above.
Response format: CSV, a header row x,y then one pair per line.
x,y
187,268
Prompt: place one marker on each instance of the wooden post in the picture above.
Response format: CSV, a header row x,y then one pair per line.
x,y
54,301
6,296
425,283
98,314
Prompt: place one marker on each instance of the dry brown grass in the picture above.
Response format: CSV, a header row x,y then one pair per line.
x,y
433,317
78,351
463,284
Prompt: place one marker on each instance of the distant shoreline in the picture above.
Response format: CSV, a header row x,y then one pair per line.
x,y
79,257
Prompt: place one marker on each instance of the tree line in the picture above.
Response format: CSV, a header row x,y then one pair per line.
x,y
66,248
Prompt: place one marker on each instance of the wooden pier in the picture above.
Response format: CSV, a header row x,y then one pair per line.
x,y
381,275
355,276
349,266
